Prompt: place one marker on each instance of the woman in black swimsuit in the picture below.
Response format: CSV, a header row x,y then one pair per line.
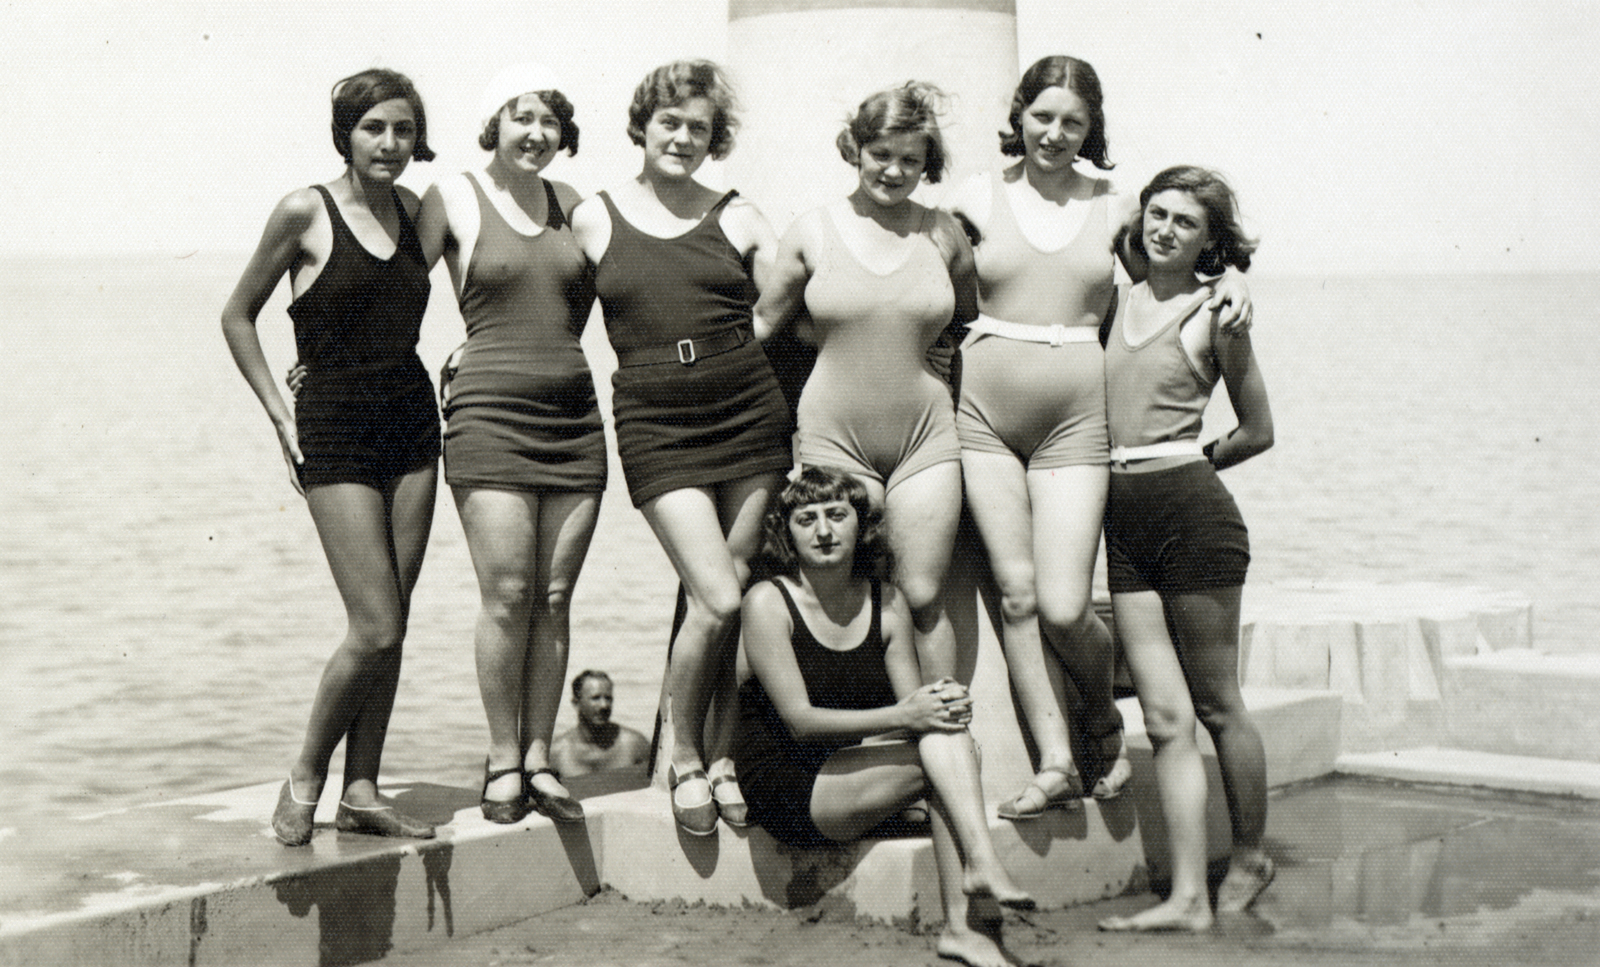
x,y
837,730
362,442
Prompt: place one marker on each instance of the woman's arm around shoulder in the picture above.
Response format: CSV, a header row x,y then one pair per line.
x,y
783,294
1123,211
1247,391
970,202
410,200
751,234
951,240
566,196
449,214
591,223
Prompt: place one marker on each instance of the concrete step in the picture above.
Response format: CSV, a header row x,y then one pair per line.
x,y
1522,702
202,881
1384,647
1475,768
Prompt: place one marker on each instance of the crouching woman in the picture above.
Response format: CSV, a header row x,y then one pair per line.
x,y
838,731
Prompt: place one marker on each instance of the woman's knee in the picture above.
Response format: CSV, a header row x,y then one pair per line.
x,y
1066,612
556,597
1168,721
922,593
371,634
1018,602
507,597
1220,714
717,606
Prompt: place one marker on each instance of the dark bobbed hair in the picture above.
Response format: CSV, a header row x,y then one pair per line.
x,y
1076,76
912,108
1231,246
585,675
558,104
359,93
821,485
672,84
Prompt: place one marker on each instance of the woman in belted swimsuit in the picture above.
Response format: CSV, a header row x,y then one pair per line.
x,y
701,424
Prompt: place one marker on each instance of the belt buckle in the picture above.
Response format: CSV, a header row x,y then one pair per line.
x,y
1058,335
686,351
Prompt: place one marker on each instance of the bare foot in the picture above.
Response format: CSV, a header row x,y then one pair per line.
x,y
979,883
1249,873
972,948
1192,915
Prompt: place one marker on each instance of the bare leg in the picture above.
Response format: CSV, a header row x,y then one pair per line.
x,y
410,501
374,542
921,514
1068,506
1000,504
709,537
527,549
1205,625
861,786
566,525
1180,774
502,537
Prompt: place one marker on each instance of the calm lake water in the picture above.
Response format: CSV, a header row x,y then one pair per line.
x,y
165,609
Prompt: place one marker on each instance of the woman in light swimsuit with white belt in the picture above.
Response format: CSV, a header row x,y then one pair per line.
x,y
1032,413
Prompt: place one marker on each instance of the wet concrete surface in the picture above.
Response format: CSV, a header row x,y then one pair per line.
x,y
1368,873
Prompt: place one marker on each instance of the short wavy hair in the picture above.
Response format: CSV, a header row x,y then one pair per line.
x,y
359,93
672,84
912,108
1232,246
1076,76
558,104
821,485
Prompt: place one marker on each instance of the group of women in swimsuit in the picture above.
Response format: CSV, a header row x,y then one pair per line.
x,y
853,708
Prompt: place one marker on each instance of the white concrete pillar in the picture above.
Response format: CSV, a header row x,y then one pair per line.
x,y
801,66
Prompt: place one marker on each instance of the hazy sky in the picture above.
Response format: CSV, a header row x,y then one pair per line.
x,y
1369,136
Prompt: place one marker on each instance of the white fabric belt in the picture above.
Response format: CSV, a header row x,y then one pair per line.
x,y
1171,448
1057,335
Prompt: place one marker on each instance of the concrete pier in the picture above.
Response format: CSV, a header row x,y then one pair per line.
x,y
201,880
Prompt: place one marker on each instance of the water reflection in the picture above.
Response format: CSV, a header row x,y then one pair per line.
x,y
1373,859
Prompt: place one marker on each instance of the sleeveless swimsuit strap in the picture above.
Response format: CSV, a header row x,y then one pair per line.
x,y
874,630
554,217
408,232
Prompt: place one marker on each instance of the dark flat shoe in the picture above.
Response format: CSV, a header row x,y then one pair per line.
x,y
562,809
380,821
731,806
699,819
293,818
495,810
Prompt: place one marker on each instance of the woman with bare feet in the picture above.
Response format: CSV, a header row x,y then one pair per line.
x,y
838,731
1176,546
362,442
1032,414
882,278
701,424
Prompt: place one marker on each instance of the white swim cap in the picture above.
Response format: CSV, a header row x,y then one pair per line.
x,y
514,81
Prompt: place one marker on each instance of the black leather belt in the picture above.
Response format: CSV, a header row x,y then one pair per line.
x,y
685,351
